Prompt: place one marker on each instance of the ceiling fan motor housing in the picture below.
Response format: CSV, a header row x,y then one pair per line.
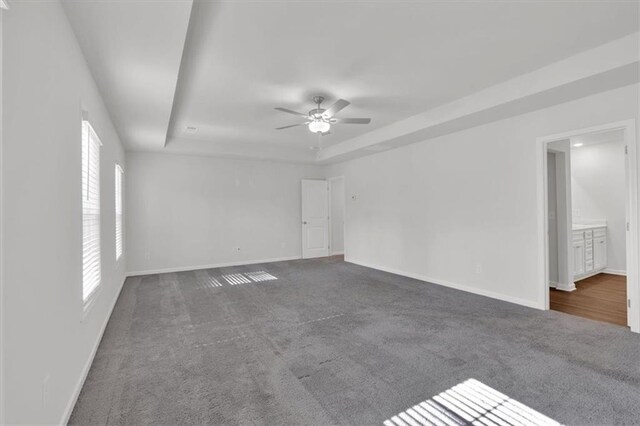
x,y
316,113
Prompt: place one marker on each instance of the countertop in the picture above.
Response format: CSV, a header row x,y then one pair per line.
x,y
580,227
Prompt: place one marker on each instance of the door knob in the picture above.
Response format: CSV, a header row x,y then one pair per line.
x,y
304,223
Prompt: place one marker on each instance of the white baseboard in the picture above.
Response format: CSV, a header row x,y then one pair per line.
x,y
566,287
615,272
337,253
600,271
562,287
76,392
210,266
481,292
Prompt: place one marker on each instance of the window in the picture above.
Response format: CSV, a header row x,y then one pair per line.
x,y
90,212
118,181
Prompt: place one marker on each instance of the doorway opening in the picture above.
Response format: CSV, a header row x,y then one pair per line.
x,y
590,224
323,214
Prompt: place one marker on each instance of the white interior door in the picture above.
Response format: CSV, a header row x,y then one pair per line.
x,y
315,218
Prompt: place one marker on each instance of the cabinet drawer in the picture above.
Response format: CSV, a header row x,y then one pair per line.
x,y
589,266
588,254
588,234
600,232
578,235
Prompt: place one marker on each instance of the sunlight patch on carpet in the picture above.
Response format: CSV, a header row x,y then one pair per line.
x,y
470,403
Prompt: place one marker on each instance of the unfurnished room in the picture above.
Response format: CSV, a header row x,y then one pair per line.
x,y
318,212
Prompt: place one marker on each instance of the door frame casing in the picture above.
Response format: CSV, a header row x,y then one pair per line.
x,y
344,212
633,286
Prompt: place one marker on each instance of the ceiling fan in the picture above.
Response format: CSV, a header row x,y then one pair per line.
x,y
319,120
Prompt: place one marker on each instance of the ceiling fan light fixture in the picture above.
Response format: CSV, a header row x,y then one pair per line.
x,y
319,126
319,120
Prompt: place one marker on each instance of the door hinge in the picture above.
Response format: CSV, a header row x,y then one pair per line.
x,y
629,303
626,149
627,226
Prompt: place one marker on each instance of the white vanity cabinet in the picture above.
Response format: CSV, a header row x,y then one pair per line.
x,y
578,254
589,250
600,251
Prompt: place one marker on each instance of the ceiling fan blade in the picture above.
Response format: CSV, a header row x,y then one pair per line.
x,y
292,125
333,109
353,120
293,112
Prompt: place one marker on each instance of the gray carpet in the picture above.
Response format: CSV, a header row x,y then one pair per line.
x,y
334,343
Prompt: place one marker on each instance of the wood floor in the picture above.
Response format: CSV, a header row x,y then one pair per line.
x,y
602,297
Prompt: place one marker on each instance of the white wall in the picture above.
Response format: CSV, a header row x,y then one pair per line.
x,y
461,209
337,215
186,212
45,82
2,321
598,192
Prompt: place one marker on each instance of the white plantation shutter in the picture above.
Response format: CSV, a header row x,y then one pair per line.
x,y
118,181
91,273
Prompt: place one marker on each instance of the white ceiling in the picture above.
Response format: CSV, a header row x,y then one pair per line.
x,y
392,60
133,49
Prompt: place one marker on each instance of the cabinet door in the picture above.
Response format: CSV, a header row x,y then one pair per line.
x,y
600,253
578,258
